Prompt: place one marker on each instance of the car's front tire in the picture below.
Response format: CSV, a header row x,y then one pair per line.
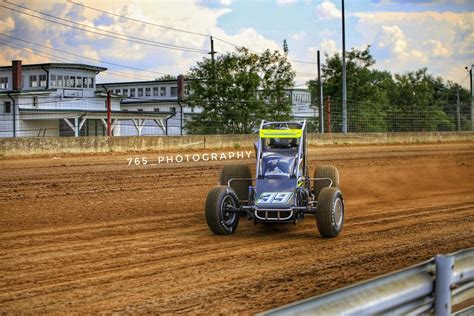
x,y
219,220
330,212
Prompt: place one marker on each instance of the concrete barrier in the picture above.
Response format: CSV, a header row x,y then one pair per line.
x,y
31,146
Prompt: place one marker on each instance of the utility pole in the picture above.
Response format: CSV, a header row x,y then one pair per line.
x,y
458,111
213,74
212,52
344,92
321,101
472,98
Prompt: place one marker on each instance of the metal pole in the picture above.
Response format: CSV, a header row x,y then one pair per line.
x,y
344,92
472,101
109,110
76,127
321,101
328,116
444,267
458,111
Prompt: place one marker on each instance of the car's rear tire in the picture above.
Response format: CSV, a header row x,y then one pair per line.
x,y
218,219
330,212
235,171
325,171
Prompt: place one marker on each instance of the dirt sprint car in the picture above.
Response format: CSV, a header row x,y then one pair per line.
x,y
282,191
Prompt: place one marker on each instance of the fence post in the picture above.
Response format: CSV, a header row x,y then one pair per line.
x,y
328,116
444,268
109,110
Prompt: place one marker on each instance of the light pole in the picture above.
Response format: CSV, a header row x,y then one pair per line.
x,y
472,97
344,92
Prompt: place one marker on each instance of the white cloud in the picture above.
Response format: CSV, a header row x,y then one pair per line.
x,y
327,10
7,25
329,47
286,2
393,38
437,48
405,41
326,47
298,36
225,2
187,15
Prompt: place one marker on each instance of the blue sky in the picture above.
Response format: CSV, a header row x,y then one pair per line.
x,y
404,35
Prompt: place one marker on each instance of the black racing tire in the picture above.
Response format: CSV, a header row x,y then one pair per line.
x,y
330,212
234,171
219,221
325,171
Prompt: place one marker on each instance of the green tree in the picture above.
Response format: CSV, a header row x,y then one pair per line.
x,y
238,90
167,77
418,102
367,91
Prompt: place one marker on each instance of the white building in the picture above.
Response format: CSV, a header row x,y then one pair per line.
x,y
57,99
162,96
62,99
155,96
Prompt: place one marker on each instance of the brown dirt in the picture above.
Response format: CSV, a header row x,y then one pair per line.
x,y
91,234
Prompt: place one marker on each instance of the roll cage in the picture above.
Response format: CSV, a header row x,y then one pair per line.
x,y
294,145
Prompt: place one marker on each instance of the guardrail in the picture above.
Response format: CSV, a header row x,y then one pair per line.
x,y
431,286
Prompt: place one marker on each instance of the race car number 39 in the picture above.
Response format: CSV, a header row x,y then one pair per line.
x,y
274,197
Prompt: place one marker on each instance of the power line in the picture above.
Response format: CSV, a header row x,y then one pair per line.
x,y
30,50
97,60
177,30
136,20
105,32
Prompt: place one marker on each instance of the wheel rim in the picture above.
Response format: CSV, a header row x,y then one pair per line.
x,y
338,212
227,217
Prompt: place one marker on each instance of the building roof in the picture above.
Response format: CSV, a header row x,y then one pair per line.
x,y
145,82
60,65
126,101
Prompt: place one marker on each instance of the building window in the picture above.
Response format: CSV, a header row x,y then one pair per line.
x,y
60,81
186,90
78,82
162,91
173,109
91,83
4,83
42,80
72,81
156,109
140,92
53,80
174,91
132,92
35,102
85,82
33,81
148,92
118,91
125,92
7,107
155,91
140,110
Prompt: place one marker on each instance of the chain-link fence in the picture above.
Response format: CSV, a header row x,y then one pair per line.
x,y
88,117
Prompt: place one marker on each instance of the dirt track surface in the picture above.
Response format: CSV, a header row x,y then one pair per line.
x,y
91,234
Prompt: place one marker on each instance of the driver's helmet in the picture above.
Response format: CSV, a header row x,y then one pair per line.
x,y
280,142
